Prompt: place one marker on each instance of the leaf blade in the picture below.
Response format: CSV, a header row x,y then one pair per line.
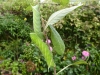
x,y
76,63
57,41
55,17
80,62
43,48
37,21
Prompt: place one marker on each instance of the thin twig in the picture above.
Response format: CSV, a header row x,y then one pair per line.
x,y
54,70
63,69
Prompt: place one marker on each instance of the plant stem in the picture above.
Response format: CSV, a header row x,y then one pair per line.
x,y
54,70
31,73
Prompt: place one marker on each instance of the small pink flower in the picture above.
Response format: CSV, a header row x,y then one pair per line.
x,y
83,58
74,58
50,48
48,41
85,53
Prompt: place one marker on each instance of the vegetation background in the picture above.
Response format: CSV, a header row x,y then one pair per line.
x,y
80,31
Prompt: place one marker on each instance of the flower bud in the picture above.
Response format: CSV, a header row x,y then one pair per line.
x,y
50,48
74,58
48,41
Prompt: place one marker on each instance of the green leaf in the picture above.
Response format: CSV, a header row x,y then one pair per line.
x,y
44,49
37,21
80,62
62,2
55,17
76,63
57,41
63,69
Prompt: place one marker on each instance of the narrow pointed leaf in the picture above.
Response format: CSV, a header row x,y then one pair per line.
x,y
43,48
36,20
76,63
57,41
64,68
80,62
55,17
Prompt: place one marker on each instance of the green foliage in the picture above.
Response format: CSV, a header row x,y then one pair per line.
x,y
14,31
54,18
17,7
33,54
45,13
44,49
57,42
82,27
20,54
80,62
29,52
13,27
62,2
94,60
79,30
11,49
14,66
57,16
36,21
76,63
